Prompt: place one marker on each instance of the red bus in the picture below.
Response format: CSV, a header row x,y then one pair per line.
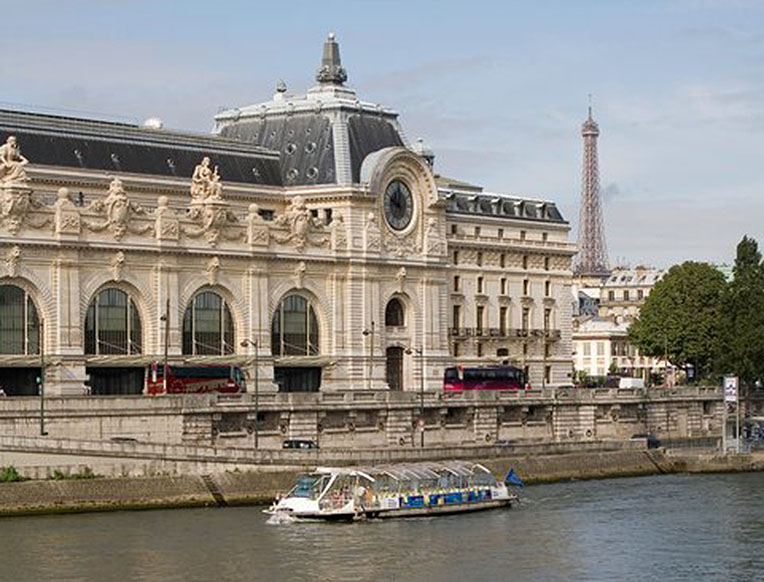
x,y
195,379
484,378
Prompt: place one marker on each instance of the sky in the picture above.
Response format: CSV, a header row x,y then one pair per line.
x,y
497,89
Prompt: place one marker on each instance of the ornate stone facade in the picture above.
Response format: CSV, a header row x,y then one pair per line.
x,y
249,264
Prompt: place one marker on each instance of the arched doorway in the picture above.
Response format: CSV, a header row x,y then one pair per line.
x,y
394,367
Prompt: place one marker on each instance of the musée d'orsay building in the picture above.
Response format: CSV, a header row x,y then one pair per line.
x,y
305,231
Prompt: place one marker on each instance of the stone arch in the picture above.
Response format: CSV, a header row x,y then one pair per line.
x,y
228,298
146,309
395,312
321,315
32,293
380,166
239,310
42,297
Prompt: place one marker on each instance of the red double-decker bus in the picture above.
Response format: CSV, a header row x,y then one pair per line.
x,y
484,378
195,379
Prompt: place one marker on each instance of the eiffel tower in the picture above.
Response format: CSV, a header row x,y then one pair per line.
x,y
591,260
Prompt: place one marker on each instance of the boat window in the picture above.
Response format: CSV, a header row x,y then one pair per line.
x,y
309,486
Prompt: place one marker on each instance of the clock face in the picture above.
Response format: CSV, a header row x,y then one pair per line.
x,y
398,205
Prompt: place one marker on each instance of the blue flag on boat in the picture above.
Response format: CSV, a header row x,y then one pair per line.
x,y
513,479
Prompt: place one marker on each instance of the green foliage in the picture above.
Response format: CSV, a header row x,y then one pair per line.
x,y
740,350
681,317
10,474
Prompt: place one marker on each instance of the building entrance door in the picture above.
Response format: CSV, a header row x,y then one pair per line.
x,y
394,368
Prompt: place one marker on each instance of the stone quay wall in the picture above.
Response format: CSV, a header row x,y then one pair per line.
x,y
374,419
253,487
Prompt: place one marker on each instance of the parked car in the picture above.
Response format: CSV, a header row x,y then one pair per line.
x,y
653,442
299,444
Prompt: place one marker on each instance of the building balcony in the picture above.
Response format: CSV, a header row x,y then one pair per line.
x,y
498,332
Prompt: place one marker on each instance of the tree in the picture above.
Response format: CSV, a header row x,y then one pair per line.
x,y
741,347
680,318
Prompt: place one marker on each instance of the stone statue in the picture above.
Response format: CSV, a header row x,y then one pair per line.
x,y
12,162
339,232
205,182
372,233
67,216
257,228
303,228
166,224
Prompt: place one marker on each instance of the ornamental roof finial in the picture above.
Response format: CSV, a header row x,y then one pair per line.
x,y
331,71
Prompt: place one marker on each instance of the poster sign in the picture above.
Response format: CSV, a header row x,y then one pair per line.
x,y
730,389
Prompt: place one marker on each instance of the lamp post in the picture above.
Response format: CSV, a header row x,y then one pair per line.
x,y
255,379
420,352
370,332
166,319
41,341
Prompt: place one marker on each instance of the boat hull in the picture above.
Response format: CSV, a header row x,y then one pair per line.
x,y
438,509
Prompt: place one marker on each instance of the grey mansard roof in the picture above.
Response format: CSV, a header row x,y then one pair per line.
x,y
323,136
468,199
52,140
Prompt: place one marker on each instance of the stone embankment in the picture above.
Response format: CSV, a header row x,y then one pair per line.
x,y
261,486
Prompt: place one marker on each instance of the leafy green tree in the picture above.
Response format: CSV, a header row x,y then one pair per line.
x,y
741,347
680,318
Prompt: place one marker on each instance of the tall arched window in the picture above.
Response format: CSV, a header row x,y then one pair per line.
x,y
394,313
113,324
19,325
295,328
208,326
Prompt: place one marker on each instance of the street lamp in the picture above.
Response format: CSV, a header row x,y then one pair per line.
x,y
248,342
166,320
420,352
41,342
370,332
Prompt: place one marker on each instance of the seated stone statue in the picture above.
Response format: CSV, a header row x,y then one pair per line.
x,y
12,162
201,180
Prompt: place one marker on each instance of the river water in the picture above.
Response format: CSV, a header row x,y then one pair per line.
x,y
675,527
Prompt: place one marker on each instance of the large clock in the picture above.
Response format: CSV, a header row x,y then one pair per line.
x,y
398,205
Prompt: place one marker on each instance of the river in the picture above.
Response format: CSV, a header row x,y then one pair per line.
x,y
673,527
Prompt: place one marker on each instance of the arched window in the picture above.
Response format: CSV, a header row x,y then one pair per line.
x,y
394,313
113,324
295,328
208,326
19,325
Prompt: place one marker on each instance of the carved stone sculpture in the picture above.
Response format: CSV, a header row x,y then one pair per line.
x,y
299,275
373,236
15,203
400,277
117,265
12,162
166,224
434,243
67,216
213,270
257,228
12,260
205,182
117,210
339,233
302,228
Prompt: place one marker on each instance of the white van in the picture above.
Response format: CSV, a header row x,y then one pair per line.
x,y
631,383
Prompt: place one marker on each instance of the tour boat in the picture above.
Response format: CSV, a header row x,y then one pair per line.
x,y
401,490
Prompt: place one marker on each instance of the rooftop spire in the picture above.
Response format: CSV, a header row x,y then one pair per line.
x,y
331,71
